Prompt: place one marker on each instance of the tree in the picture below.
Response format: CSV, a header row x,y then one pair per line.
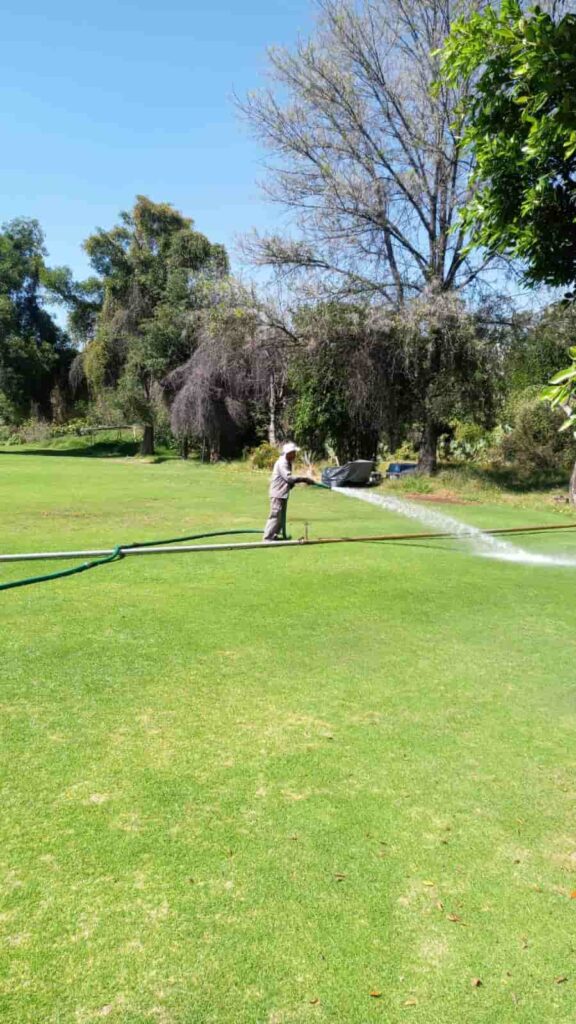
x,y
34,352
153,269
235,377
538,347
369,162
348,384
520,130
561,394
452,362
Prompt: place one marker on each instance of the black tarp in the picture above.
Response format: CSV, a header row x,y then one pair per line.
x,y
353,474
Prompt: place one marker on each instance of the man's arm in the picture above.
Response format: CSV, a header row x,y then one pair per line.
x,y
287,475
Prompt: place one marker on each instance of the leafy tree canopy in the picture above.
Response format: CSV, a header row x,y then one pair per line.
x,y
521,132
34,351
154,270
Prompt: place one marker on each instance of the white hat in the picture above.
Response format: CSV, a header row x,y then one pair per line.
x,y
290,447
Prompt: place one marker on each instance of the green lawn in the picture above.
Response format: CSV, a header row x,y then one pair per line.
x,y
304,785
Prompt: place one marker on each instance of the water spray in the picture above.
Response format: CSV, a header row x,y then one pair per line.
x,y
483,542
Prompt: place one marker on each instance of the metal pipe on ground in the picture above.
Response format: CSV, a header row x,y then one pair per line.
x,y
164,549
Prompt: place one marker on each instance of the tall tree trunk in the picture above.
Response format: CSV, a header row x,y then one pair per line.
x,y
147,446
184,447
428,454
272,438
572,489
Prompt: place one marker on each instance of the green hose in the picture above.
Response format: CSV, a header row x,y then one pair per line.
x,y
116,555
192,536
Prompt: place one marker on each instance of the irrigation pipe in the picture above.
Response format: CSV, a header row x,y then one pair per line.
x,y
175,546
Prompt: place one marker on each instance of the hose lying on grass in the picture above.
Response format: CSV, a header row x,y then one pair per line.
x,y
115,555
107,557
169,547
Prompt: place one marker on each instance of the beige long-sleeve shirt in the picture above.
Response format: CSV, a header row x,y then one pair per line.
x,y
283,479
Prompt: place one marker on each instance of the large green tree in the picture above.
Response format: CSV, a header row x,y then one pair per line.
x,y
348,386
35,352
521,132
538,346
154,270
520,119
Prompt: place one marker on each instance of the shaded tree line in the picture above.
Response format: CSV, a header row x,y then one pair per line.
x,y
164,335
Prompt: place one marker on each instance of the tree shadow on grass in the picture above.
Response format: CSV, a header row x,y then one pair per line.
x,y
97,450
515,477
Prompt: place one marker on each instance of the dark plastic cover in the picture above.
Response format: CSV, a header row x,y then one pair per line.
x,y
353,474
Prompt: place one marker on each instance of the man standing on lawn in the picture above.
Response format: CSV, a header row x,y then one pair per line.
x,y
283,480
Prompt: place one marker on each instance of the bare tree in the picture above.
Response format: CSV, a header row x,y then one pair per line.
x,y
368,160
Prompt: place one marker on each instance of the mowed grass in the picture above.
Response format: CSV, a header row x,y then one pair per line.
x,y
324,784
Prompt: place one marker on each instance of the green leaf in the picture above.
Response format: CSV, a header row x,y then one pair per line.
x,y
564,375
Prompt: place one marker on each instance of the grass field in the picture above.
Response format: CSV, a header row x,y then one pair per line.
x,y
327,784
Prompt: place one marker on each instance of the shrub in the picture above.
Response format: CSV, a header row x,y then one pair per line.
x,y
76,426
467,441
533,447
405,453
264,456
32,431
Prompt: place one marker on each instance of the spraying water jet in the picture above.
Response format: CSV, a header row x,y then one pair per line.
x,y
482,542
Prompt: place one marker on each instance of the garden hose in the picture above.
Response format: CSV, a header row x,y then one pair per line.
x,y
115,556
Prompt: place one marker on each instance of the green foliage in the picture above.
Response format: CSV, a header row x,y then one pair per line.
x,y
320,414
536,352
535,445
34,430
77,427
521,130
30,431
560,393
405,452
335,377
264,456
468,441
153,272
34,353
453,367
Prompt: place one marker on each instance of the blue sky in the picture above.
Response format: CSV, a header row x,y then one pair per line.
x,y
104,101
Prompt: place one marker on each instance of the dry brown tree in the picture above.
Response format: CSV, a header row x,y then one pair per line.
x,y
236,374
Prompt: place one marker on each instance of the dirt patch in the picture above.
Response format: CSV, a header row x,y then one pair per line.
x,y
439,498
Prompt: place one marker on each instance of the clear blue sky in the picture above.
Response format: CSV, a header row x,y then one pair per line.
x,y
105,100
